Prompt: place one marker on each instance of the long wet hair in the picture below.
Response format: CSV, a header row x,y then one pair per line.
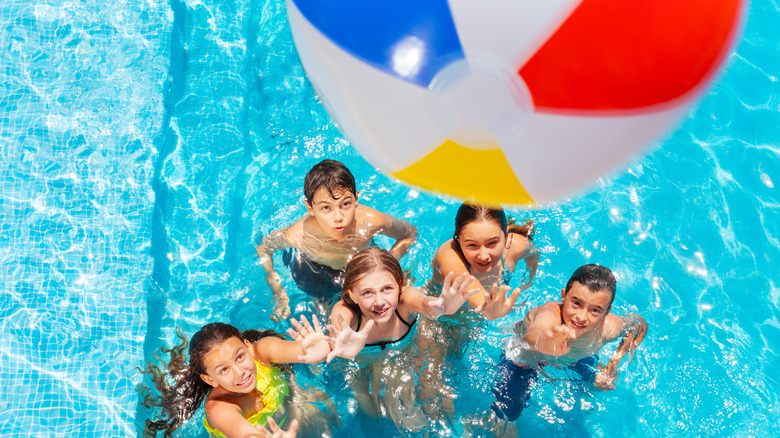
x,y
468,213
367,261
179,384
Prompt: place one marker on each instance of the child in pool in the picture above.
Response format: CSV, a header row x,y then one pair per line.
x,y
489,249
334,230
568,333
234,373
378,312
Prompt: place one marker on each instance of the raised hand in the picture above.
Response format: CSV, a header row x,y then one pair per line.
x,y
346,342
312,340
276,431
497,304
453,295
557,339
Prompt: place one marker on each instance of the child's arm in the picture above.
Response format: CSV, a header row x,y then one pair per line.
x,y
547,335
531,259
310,345
607,375
453,295
273,242
226,417
404,233
491,304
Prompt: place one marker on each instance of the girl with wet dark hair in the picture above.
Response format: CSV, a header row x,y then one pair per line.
x,y
489,248
235,376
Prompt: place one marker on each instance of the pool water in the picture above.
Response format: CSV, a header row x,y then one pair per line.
x,y
147,146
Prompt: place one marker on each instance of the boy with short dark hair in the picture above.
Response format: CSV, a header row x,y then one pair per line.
x,y
569,333
335,228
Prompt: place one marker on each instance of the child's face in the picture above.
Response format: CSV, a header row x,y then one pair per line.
x,y
482,244
231,366
377,296
583,309
335,214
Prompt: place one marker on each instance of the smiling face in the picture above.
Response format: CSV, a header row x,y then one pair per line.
x,y
335,215
231,365
377,295
584,310
482,244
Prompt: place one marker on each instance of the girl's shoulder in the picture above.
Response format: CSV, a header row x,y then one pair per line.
x,y
347,314
448,254
520,247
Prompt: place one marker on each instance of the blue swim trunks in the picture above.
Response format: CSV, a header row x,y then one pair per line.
x,y
512,385
319,281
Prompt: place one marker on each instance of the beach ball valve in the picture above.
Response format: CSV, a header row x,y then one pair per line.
x,y
513,102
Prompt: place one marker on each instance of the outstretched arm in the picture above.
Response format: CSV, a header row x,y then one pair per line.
x,y
531,259
496,303
273,242
401,230
453,294
345,341
607,375
310,345
547,335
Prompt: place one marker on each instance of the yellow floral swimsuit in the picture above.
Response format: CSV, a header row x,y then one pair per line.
x,y
273,386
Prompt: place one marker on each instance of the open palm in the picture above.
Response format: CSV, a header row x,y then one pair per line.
x,y
346,342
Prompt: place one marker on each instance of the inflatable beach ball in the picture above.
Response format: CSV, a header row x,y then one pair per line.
x,y
509,101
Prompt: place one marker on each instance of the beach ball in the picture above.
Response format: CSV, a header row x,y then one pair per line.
x,y
517,102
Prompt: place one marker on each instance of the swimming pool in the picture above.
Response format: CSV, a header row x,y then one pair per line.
x,y
147,145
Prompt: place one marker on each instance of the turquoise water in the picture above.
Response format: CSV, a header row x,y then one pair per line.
x,y
146,146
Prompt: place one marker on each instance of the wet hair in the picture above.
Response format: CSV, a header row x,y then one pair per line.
x,y
179,384
330,174
596,278
468,213
367,261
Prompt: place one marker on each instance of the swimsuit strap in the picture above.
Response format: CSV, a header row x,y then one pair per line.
x,y
383,344
360,319
402,320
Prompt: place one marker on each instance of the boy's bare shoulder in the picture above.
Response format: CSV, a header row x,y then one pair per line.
x,y
613,326
549,309
295,233
370,218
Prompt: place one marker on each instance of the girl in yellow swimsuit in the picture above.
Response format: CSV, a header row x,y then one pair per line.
x,y
233,374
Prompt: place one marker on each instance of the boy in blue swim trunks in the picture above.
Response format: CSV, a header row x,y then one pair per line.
x,y
566,334
335,228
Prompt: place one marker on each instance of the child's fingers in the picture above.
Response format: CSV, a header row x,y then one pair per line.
x,y
296,324
462,281
368,327
306,324
470,293
514,296
272,425
448,281
316,322
332,330
293,427
295,335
